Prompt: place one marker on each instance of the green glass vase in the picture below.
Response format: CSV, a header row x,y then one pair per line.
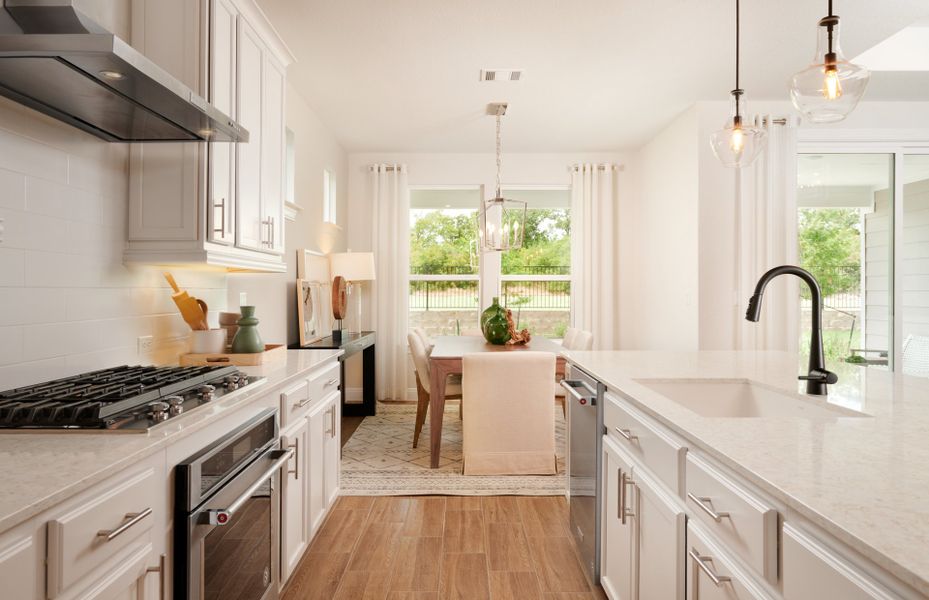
x,y
490,311
247,340
497,329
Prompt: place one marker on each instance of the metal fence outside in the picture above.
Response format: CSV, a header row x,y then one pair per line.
x,y
841,287
456,288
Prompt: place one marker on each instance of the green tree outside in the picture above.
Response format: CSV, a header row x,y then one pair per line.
x,y
830,248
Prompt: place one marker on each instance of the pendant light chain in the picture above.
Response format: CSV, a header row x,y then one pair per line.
x,y
499,155
737,19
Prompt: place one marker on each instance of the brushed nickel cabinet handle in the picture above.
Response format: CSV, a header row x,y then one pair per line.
x,y
133,518
222,222
296,447
620,496
624,481
703,503
303,403
703,563
331,382
626,433
160,569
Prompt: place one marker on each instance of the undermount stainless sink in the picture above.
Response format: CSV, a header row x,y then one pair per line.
x,y
741,398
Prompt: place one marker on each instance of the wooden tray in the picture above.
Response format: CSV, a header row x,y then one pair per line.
x,y
272,353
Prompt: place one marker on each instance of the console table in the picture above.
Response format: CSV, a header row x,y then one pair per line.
x,y
353,343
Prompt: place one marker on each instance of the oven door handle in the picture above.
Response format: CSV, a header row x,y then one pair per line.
x,y
222,516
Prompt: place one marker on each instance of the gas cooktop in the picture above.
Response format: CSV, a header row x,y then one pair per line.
x,y
120,398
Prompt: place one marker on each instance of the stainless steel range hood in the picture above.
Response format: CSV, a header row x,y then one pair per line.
x,y
55,59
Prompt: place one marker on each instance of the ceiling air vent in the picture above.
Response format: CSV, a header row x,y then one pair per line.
x,y
501,74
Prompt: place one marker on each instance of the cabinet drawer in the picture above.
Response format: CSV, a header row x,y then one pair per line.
x,y
295,402
325,381
711,575
99,526
812,571
746,524
644,440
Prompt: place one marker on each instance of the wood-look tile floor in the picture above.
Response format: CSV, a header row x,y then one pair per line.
x,y
443,547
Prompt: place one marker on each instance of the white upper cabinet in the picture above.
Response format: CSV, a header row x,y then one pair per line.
x,y
221,205
248,162
217,203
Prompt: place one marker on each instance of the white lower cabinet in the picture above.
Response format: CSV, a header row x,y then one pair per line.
x,y
295,525
618,554
813,571
644,533
20,557
712,575
324,457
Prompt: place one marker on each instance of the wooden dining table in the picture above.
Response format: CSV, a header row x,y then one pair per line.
x,y
445,360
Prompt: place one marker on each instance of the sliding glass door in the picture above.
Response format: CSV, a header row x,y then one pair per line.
x,y
863,231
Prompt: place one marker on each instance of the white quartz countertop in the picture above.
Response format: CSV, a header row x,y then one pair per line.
x,y
863,480
41,469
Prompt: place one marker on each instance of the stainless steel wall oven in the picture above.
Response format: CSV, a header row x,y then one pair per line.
x,y
227,516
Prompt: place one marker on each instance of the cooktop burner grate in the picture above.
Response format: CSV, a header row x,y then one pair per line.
x,y
93,399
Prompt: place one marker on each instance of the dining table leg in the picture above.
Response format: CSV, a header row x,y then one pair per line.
x,y
438,375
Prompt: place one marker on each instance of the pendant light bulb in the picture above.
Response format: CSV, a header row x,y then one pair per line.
x,y
737,145
500,221
830,87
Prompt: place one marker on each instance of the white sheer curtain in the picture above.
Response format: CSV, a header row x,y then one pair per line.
x,y
390,200
593,251
766,231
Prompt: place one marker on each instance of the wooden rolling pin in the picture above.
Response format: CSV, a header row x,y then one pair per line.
x,y
193,310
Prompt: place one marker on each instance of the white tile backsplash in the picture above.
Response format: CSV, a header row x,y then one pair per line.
x,y
68,304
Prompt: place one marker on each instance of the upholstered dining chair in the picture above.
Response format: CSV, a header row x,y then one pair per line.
x,y
578,340
509,428
418,350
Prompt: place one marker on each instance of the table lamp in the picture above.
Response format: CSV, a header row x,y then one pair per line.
x,y
354,267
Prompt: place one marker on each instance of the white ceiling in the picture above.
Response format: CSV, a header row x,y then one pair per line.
x,y
402,75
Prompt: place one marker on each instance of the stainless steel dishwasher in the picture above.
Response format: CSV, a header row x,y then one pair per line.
x,y
584,399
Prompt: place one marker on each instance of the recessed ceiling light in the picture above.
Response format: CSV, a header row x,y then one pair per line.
x,y
502,74
112,75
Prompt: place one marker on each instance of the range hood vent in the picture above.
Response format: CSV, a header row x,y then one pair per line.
x,y
55,59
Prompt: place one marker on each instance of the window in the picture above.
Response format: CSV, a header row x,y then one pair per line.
x,y
330,198
536,279
448,275
444,270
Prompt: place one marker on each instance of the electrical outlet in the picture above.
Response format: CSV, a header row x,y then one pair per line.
x,y
1,230
145,344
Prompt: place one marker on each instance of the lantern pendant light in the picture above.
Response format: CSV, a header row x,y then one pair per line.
x,y
501,222
737,144
830,88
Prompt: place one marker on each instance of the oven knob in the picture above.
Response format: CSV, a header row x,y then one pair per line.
x,y
157,411
176,404
231,382
206,392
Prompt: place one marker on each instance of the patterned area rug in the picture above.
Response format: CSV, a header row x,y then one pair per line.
x,y
379,460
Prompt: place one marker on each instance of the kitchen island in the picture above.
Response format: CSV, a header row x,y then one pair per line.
x,y
853,467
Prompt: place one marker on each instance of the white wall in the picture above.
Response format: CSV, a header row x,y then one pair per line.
x,y
316,149
67,302
660,270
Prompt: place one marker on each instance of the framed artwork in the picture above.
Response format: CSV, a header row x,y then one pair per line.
x,y
314,296
309,311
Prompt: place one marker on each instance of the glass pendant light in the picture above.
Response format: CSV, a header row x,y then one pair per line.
x,y
501,222
830,88
737,144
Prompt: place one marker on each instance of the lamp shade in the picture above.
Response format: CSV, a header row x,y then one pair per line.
x,y
353,266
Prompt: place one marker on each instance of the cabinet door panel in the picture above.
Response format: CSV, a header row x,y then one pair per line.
x,y
249,65
316,465
295,528
221,195
272,153
333,449
661,542
19,564
617,563
812,571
